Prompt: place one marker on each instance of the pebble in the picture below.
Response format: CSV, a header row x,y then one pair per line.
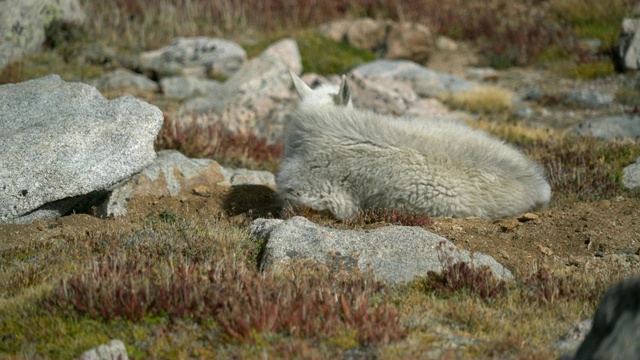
x,y
528,217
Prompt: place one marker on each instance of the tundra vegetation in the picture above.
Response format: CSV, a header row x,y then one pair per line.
x,y
178,284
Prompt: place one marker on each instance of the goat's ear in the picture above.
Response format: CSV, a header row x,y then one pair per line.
x,y
302,89
344,95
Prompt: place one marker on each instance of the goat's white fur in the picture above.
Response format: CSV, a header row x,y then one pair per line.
x,y
343,159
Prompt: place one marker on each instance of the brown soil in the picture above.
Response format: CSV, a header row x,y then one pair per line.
x,y
585,237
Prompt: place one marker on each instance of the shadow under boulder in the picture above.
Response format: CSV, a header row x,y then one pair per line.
x,y
252,200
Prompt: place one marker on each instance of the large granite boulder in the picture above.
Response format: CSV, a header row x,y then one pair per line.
x,y
286,50
23,24
63,142
255,100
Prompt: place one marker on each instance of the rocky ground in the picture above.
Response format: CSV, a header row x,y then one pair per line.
x,y
583,236
601,236
594,237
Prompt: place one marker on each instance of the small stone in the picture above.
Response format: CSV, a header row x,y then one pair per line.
x,y
446,43
39,225
202,190
528,217
111,351
507,225
545,250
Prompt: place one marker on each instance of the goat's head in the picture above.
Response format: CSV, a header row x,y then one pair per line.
x,y
326,94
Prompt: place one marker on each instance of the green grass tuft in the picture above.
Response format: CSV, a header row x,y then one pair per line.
x,y
319,54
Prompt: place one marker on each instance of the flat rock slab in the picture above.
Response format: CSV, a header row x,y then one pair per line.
x,y
63,140
425,82
611,127
394,253
183,87
125,80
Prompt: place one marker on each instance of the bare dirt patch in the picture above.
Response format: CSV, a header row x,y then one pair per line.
x,y
581,237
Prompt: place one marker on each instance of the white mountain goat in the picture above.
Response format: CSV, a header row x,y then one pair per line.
x,y
344,160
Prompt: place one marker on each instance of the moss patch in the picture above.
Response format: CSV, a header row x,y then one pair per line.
x,y
320,55
45,63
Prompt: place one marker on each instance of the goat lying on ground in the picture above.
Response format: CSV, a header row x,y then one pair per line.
x,y
343,159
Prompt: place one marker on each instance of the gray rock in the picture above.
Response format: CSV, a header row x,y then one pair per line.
x,y
533,94
631,175
182,87
114,350
23,24
629,43
210,104
425,82
125,80
287,51
589,98
482,73
433,109
384,96
235,177
570,341
255,100
623,126
171,173
64,140
616,325
198,56
394,253
99,54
